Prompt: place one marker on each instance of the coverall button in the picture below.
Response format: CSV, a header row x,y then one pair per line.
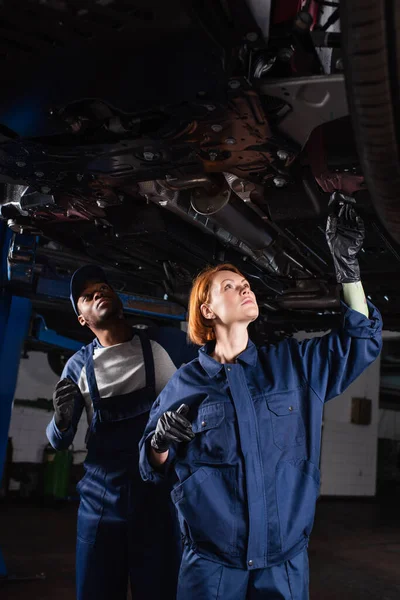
x,y
228,369
250,563
290,407
203,423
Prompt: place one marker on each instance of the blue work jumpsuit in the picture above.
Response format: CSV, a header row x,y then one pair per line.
x,y
126,528
249,481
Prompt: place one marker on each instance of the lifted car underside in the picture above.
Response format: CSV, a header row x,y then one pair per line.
x,y
155,138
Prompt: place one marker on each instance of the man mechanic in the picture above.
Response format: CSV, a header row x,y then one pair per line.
x,y
126,528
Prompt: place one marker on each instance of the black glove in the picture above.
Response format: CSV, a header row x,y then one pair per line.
x,y
172,427
345,234
65,394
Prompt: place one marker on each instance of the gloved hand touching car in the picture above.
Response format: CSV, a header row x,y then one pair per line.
x,y
345,234
172,427
65,394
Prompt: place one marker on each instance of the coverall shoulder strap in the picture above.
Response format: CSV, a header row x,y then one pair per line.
x,y
148,359
90,375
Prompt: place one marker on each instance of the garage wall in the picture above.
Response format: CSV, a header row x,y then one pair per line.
x,y
349,451
28,425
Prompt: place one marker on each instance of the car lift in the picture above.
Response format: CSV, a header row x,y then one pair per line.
x,y
18,284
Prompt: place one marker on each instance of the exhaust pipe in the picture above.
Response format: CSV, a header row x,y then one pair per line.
x,y
226,209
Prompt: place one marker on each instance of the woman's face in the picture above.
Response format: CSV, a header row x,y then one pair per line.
x,y
231,300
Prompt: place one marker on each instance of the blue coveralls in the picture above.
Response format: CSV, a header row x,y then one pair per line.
x,y
249,481
125,527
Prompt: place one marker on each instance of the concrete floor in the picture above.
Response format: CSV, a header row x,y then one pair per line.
x,y
354,552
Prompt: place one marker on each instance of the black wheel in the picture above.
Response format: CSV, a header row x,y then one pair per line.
x,y
371,55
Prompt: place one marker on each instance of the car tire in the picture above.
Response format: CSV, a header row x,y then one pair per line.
x,y
371,57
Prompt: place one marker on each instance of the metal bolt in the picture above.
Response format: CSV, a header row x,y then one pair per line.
x,y
163,202
45,189
210,107
234,84
20,163
285,54
282,155
216,128
39,173
148,155
252,36
230,140
117,235
213,155
279,182
339,64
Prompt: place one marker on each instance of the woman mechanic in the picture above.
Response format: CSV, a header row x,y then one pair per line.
x,y
241,427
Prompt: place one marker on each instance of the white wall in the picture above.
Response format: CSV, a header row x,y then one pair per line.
x,y
349,451
28,425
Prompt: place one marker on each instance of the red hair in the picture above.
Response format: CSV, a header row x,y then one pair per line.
x,y
200,329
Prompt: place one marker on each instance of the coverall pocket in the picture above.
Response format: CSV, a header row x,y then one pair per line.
x,y
287,422
210,443
207,506
91,488
297,490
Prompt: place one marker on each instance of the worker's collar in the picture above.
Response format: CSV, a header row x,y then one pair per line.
x,y
213,367
96,343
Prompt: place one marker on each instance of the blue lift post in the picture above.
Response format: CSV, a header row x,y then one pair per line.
x,y
15,315
17,257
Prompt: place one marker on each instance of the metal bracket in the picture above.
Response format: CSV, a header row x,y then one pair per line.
x,y
42,333
21,258
261,11
313,101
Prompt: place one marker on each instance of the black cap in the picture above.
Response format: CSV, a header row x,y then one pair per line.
x,y
79,280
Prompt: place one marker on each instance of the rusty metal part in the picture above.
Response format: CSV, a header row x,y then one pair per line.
x,y
234,147
157,189
330,181
241,187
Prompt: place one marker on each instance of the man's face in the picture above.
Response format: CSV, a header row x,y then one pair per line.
x,y
97,303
